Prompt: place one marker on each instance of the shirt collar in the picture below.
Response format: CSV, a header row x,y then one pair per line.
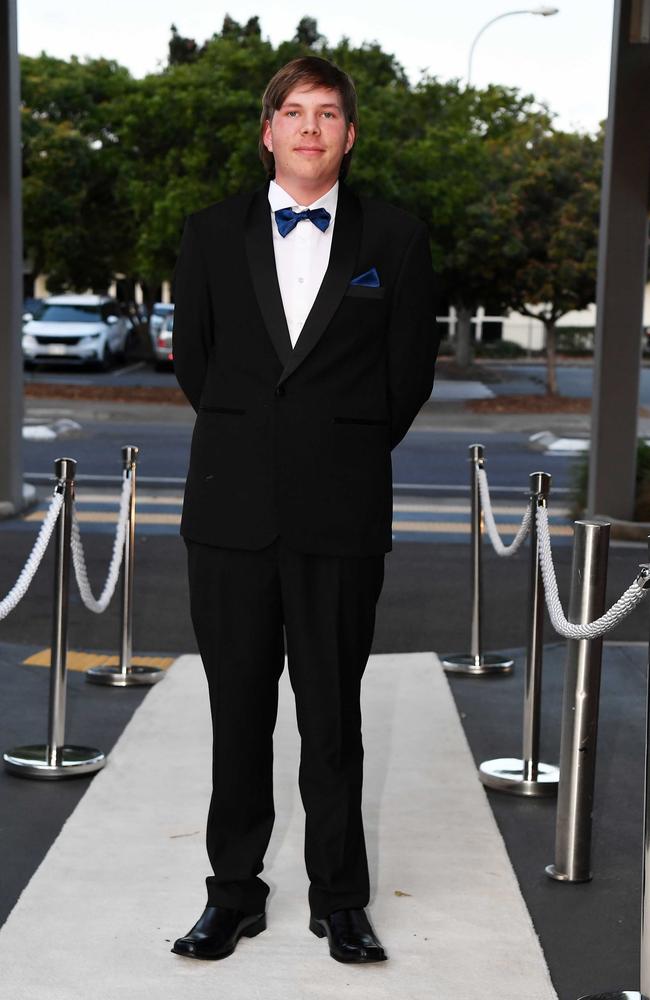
x,y
279,198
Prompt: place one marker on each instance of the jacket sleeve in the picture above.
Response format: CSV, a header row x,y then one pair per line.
x,y
193,326
413,339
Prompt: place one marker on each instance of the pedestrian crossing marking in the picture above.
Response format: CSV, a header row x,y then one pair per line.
x,y
80,660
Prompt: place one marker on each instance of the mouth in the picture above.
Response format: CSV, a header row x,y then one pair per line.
x,y
308,149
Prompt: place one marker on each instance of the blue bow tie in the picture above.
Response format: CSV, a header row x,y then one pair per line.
x,y
287,219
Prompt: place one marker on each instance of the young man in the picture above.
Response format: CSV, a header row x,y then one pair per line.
x,y
304,338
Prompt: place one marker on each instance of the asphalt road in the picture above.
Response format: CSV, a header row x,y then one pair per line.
x,y
591,938
426,458
425,602
573,380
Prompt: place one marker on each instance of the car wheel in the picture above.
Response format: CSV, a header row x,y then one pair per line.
x,y
106,360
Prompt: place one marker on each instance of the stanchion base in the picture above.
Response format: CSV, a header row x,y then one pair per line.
x,y
507,775
134,676
559,876
466,665
33,761
625,995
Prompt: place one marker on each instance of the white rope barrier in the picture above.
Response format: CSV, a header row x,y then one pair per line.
x,y
26,576
621,609
493,533
98,605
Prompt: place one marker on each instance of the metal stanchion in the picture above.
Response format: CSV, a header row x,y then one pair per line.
x,y
476,663
127,675
56,759
645,893
529,776
580,707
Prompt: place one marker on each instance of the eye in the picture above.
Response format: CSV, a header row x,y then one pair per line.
x,y
291,113
329,114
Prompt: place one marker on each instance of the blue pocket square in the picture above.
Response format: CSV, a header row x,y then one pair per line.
x,y
369,278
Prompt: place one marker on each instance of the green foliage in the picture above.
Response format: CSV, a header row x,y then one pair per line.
x,y
511,204
642,484
307,33
575,339
555,200
181,50
500,349
78,225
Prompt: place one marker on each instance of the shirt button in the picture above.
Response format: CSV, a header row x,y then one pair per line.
x,y
280,390
301,280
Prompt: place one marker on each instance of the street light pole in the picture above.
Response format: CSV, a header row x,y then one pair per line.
x,y
541,11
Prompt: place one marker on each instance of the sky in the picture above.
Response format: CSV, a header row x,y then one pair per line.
x,y
562,60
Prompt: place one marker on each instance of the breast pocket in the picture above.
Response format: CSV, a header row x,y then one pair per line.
x,y
365,292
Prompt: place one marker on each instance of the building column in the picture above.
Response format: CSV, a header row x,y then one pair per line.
x,y
622,266
11,269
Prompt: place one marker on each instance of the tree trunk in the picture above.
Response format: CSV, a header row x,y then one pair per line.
x,y
551,375
464,352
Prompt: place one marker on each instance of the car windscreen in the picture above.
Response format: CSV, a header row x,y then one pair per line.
x,y
68,313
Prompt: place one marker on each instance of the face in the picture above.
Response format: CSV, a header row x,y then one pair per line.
x,y
309,136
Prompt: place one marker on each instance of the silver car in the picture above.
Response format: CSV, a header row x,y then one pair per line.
x,y
161,326
77,329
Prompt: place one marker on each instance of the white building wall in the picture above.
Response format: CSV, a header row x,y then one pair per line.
x,y
529,333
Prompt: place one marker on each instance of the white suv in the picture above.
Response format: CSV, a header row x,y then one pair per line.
x,y
81,329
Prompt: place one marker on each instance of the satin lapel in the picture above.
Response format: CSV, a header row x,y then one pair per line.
x,y
343,257
261,261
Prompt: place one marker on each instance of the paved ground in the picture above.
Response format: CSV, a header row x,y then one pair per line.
x,y
444,898
589,933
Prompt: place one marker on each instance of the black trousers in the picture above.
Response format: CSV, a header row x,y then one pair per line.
x,y
244,605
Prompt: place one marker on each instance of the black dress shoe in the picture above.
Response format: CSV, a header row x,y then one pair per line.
x,y
217,931
350,935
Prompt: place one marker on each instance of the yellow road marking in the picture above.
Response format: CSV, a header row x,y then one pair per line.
x,y
448,508
109,517
463,528
78,660
424,527
401,507
424,508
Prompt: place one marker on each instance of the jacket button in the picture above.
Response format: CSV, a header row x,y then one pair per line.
x,y
280,391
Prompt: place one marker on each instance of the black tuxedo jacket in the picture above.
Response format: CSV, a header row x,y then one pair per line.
x,y
297,440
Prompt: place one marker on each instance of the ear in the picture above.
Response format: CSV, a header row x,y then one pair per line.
x,y
267,138
352,134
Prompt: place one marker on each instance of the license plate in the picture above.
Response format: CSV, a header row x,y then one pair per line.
x,y
57,349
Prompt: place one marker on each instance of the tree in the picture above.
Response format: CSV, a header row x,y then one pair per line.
x,y
234,30
307,33
435,150
181,50
188,136
548,212
77,222
511,204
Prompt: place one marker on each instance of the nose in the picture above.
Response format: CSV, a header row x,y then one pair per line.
x,y
310,124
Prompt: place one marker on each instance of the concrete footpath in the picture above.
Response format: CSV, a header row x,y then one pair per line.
x,y
126,874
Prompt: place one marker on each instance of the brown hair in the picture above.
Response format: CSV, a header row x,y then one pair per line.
x,y
319,73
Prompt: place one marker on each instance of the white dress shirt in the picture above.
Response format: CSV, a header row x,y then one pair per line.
x,y
302,256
